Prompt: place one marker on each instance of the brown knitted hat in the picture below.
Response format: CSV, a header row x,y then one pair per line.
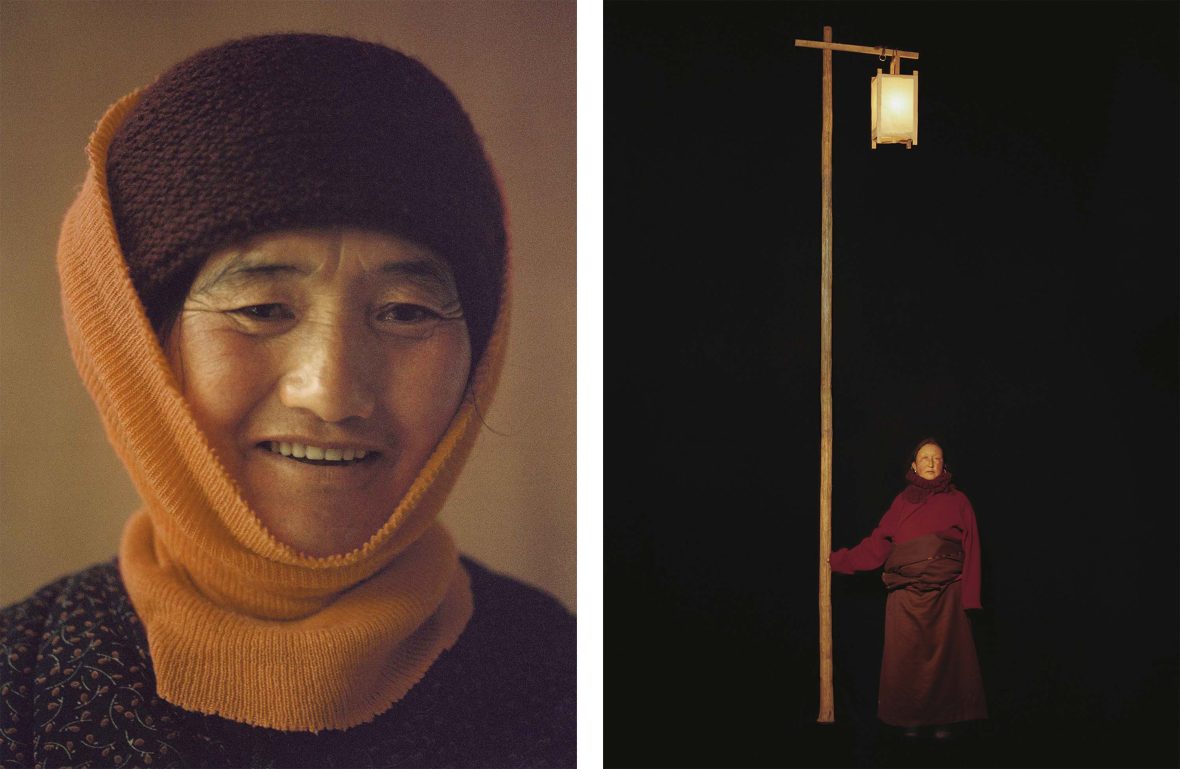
x,y
302,130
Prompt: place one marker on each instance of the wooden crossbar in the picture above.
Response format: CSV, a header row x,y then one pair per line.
x,y
875,51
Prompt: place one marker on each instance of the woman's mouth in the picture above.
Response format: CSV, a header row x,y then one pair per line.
x,y
319,455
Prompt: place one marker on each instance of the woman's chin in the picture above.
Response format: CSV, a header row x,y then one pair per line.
x,y
321,511
324,541
321,531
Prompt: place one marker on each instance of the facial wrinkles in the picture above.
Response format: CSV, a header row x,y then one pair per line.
x,y
291,340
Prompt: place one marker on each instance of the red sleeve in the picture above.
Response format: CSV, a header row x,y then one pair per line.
x,y
971,558
872,550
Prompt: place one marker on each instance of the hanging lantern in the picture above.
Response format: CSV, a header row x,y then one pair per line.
x,y
895,108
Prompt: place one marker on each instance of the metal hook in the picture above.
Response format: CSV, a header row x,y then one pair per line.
x,y
882,56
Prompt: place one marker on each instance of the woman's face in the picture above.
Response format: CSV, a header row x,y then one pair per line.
x,y
928,463
324,365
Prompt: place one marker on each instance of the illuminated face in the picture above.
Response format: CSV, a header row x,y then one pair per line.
x,y
928,463
324,366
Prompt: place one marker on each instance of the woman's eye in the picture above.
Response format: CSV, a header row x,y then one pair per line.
x,y
265,312
407,313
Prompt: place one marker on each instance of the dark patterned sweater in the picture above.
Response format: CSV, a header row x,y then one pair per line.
x,y
77,689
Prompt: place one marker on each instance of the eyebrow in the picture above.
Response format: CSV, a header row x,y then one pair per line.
x,y
430,274
243,269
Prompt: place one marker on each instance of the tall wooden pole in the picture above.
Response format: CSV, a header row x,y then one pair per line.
x,y
827,713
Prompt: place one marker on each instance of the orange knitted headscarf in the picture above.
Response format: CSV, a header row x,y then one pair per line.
x,y
239,624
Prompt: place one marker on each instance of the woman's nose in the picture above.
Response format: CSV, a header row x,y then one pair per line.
x,y
330,375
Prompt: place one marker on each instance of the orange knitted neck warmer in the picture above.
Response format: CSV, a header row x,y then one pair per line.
x,y
239,624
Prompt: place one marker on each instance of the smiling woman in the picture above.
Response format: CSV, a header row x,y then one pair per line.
x,y
324,365
285,285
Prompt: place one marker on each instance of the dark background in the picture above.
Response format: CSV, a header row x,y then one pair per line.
x,y
1010,286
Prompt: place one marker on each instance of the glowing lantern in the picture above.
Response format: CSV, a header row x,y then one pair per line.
x,y
895,109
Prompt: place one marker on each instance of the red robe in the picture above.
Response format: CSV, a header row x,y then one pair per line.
x,y
945,512
929,545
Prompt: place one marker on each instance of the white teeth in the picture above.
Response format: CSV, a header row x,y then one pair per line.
x,y
301,451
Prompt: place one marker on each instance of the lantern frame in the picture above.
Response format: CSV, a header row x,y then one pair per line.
x,y
876,88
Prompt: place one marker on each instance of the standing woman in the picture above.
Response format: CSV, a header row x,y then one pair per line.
x,y
928,543
285,285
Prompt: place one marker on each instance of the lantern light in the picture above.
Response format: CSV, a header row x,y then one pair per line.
x,y
895,108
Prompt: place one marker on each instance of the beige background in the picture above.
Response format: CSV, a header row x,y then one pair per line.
x,y
63,494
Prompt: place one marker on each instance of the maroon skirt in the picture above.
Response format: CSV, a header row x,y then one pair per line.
x,y
929,669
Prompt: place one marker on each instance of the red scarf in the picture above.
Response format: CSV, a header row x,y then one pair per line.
x,y
920,489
